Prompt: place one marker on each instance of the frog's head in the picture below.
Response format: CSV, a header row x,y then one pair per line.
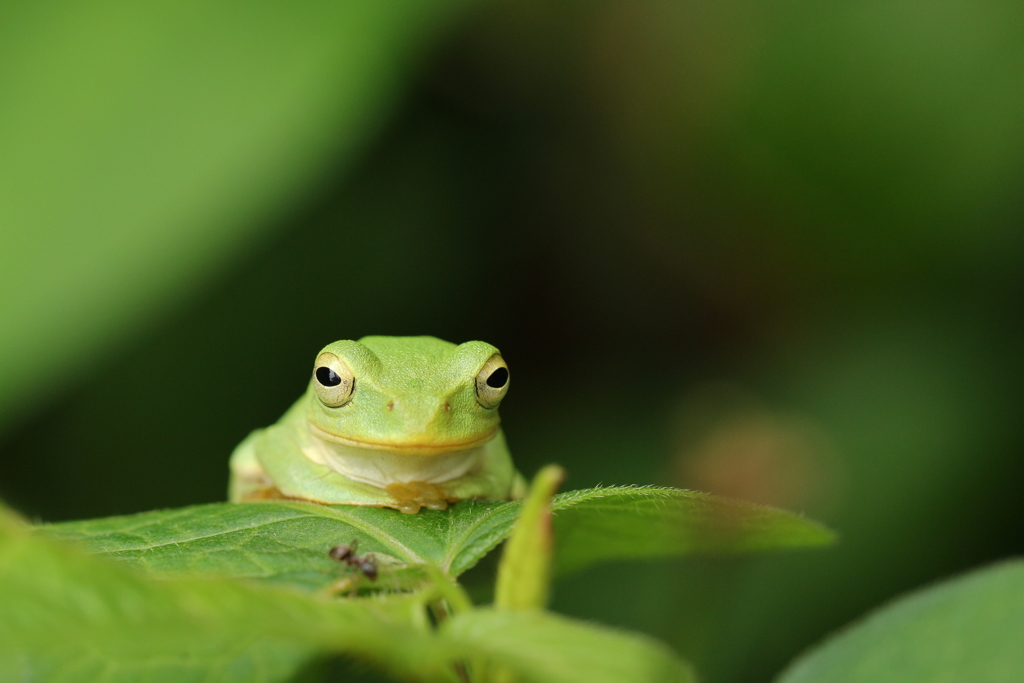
x,y
414,395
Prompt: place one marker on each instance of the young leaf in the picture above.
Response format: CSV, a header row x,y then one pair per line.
x,y
966,629
71,617
524,574
540,647
288,541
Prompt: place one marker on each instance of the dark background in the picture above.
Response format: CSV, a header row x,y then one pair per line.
x,y
768,252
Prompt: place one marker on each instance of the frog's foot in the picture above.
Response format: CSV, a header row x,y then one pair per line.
x,y
264,493
519,488
410,496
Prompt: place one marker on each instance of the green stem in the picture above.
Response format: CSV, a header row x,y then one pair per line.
x,y
449,590
451,599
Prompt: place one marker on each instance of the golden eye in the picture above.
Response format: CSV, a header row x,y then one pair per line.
x,y
333,380
492,382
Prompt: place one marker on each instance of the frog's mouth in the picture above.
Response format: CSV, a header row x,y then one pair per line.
x,y
432,448
383,465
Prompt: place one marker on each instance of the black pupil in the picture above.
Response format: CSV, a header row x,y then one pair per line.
x,y
498,378
327,377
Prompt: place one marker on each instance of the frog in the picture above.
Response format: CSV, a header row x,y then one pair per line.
x,y
392,422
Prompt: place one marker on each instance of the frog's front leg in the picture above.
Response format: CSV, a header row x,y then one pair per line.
x,y
248,480
409,497
494,478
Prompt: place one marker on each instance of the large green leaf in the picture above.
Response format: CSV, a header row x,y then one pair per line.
x,y
70,617
288,541
146,144
545,648
967,629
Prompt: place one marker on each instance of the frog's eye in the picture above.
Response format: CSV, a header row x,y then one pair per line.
x,y
332,380
492,382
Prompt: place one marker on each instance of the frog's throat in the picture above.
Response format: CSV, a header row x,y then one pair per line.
x,y
431,449
382,468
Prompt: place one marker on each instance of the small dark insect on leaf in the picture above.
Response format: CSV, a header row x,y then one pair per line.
x,y
343,552
347,553
369,568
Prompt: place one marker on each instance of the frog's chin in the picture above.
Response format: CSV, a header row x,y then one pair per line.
x,y
434,448
382,468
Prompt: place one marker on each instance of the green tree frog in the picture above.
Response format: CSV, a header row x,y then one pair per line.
x,y
399,422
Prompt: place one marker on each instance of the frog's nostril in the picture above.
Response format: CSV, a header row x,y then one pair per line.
x,y
391,405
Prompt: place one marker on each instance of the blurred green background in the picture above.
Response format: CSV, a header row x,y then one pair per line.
x,y
772,252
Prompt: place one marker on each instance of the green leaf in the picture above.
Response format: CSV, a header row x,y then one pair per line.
x,y
70,617
524,574
630,523
288,541
966,629
544,648
146,145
